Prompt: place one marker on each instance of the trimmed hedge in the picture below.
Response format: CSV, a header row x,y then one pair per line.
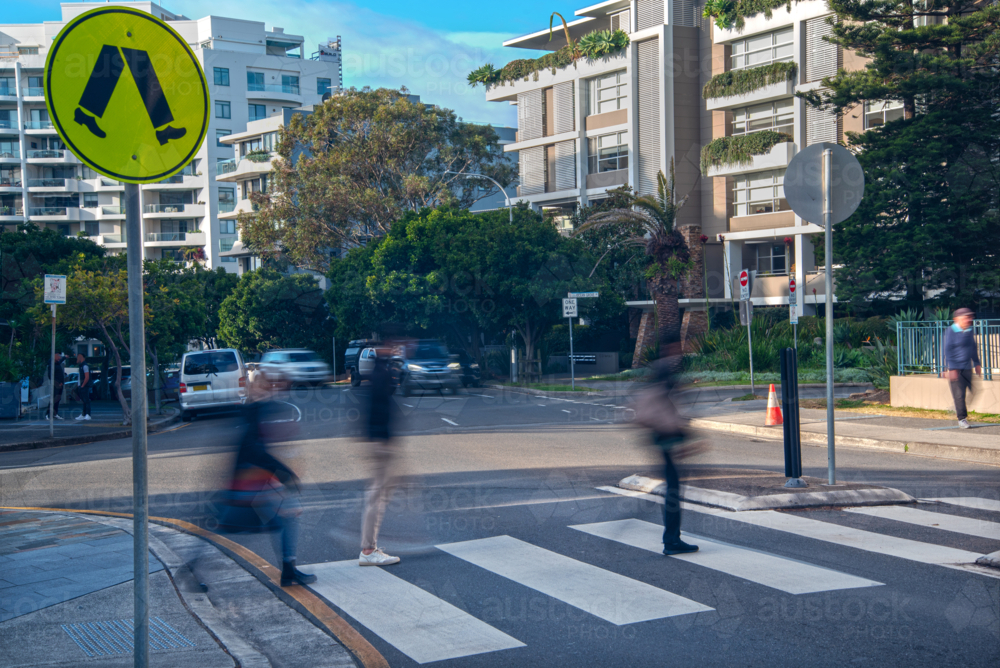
x,y
740,149
741,82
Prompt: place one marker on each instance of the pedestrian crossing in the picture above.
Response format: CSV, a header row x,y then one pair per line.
x,y
426,628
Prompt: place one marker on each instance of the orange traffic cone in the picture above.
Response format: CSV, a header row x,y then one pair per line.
x,y
773,409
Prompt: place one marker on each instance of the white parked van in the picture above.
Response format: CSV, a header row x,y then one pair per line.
x,y
211,380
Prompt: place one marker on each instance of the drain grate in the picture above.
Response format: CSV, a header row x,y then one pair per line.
x,y
115,636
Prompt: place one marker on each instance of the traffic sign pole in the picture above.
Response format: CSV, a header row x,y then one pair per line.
x,y
828,257
572,360
52,377
140,492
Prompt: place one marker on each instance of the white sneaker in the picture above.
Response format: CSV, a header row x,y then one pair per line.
x,y
86,417
964,424
377,558
79,417
59,417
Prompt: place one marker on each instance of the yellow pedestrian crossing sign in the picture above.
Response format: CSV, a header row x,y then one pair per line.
x,y
126,94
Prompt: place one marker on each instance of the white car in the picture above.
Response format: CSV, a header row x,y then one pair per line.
x,y
292,367
211,380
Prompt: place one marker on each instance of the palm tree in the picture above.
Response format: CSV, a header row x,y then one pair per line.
x,y
656,215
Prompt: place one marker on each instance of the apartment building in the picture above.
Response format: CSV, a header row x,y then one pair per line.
x,y
596,124
253,72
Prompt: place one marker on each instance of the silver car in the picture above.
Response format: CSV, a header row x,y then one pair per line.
x,y
291,367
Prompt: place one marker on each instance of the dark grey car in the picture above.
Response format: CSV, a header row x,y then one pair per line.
x,y
427,365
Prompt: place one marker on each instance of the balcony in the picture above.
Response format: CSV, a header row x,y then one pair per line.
x,y
176,182
50,156
769,93
607,179
112,212
225,167
106,184
174,210
8,92
274,92
11,183
763,221
11,214
247,168
7,125
162,239
777,158
227,207
235,209
54,213
11,154
34,91
39,125
113,240
57,185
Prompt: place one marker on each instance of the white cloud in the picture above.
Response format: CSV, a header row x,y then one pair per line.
x,y
384,51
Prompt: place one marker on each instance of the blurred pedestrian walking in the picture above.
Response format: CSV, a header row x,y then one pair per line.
x,y
383,453
961,356
84,387
263,493
58,376
655,409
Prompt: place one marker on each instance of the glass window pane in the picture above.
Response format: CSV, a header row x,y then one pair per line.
x,y
759,42
784,51
783,35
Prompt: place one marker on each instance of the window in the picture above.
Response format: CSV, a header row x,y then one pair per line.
x,y
778,116
607,153
227,196
87,173
255,81
227,227
880,113
227,245
219,134
772,47
92,228
222,109
8,86
608,93
760,192
323,86
89,200
257,111
28,51
173,227
178,197
172,255
221,76
289,84
771,260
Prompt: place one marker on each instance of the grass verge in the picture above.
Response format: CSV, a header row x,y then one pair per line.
x,y
748,397
855,406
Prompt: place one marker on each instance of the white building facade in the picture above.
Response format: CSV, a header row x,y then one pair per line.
x,y
253,73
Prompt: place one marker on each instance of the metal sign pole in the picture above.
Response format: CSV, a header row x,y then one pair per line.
x,y
572,360
140,498
753,389
335,359
828,257
52,377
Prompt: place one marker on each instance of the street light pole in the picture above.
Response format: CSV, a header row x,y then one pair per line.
x,y
828,257
510,210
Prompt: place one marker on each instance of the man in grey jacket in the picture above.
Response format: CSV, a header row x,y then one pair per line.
x,y
961,355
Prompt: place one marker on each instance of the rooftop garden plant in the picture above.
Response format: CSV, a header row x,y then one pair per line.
x,y
741,82
732,13
740,149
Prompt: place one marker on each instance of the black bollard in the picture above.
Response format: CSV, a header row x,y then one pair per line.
x,y
790,406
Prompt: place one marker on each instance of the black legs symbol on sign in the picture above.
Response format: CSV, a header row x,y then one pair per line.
x,y
103,80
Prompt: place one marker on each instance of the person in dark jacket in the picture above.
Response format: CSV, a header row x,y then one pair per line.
x,y
380,419
59,380
961,356
263,494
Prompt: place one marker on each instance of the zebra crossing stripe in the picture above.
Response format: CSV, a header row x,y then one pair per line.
x,y
788,575
417,623
609,596
971,502
933,520
911,550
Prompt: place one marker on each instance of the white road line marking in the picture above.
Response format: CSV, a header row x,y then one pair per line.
x,y
932,520
408,405
454,424
971,502
417,623
788,575
610,596
911,550
566,411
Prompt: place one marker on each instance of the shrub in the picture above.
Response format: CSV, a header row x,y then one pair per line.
x,y
740,149
741,82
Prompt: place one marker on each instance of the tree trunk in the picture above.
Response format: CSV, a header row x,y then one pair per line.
x,y
126,409
668,309
156,376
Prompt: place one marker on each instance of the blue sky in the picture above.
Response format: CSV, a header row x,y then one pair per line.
x,y
427,46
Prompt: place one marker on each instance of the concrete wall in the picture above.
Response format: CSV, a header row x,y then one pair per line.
x,y
933,392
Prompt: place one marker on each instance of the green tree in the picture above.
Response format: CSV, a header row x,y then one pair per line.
x,y
347,172
213,286
655,217
270,310
929,220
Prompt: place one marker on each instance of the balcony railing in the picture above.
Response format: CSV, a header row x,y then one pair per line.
x,y
46,153
113,210
115,238
38,125
5,90
274,88
14,182
6,125
225,167
226,207
47,183
11,211
166,236
110,182
13,152
47,211
165,208
176,178
34,91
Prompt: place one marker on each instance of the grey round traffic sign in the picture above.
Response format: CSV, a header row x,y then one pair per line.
x,y
804,183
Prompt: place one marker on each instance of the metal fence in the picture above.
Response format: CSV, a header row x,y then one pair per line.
x,y
920,346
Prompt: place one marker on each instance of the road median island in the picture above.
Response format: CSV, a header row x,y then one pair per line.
x,y
19,438
740,490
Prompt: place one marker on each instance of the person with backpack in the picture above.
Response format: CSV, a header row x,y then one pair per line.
x,y
961,356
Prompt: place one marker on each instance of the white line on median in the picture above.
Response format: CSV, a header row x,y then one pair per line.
x,y
454,424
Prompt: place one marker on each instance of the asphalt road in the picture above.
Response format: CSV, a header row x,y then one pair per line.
x,y
513,556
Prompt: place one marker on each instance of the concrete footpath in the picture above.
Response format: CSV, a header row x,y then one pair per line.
x,y
916,436
31,430
66,591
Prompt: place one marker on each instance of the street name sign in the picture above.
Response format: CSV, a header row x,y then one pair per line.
x,y
583,295
126,94
744,285
569,308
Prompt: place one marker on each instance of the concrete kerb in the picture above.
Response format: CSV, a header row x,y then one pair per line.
x,y
153,426
737,502
300,599
935,450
